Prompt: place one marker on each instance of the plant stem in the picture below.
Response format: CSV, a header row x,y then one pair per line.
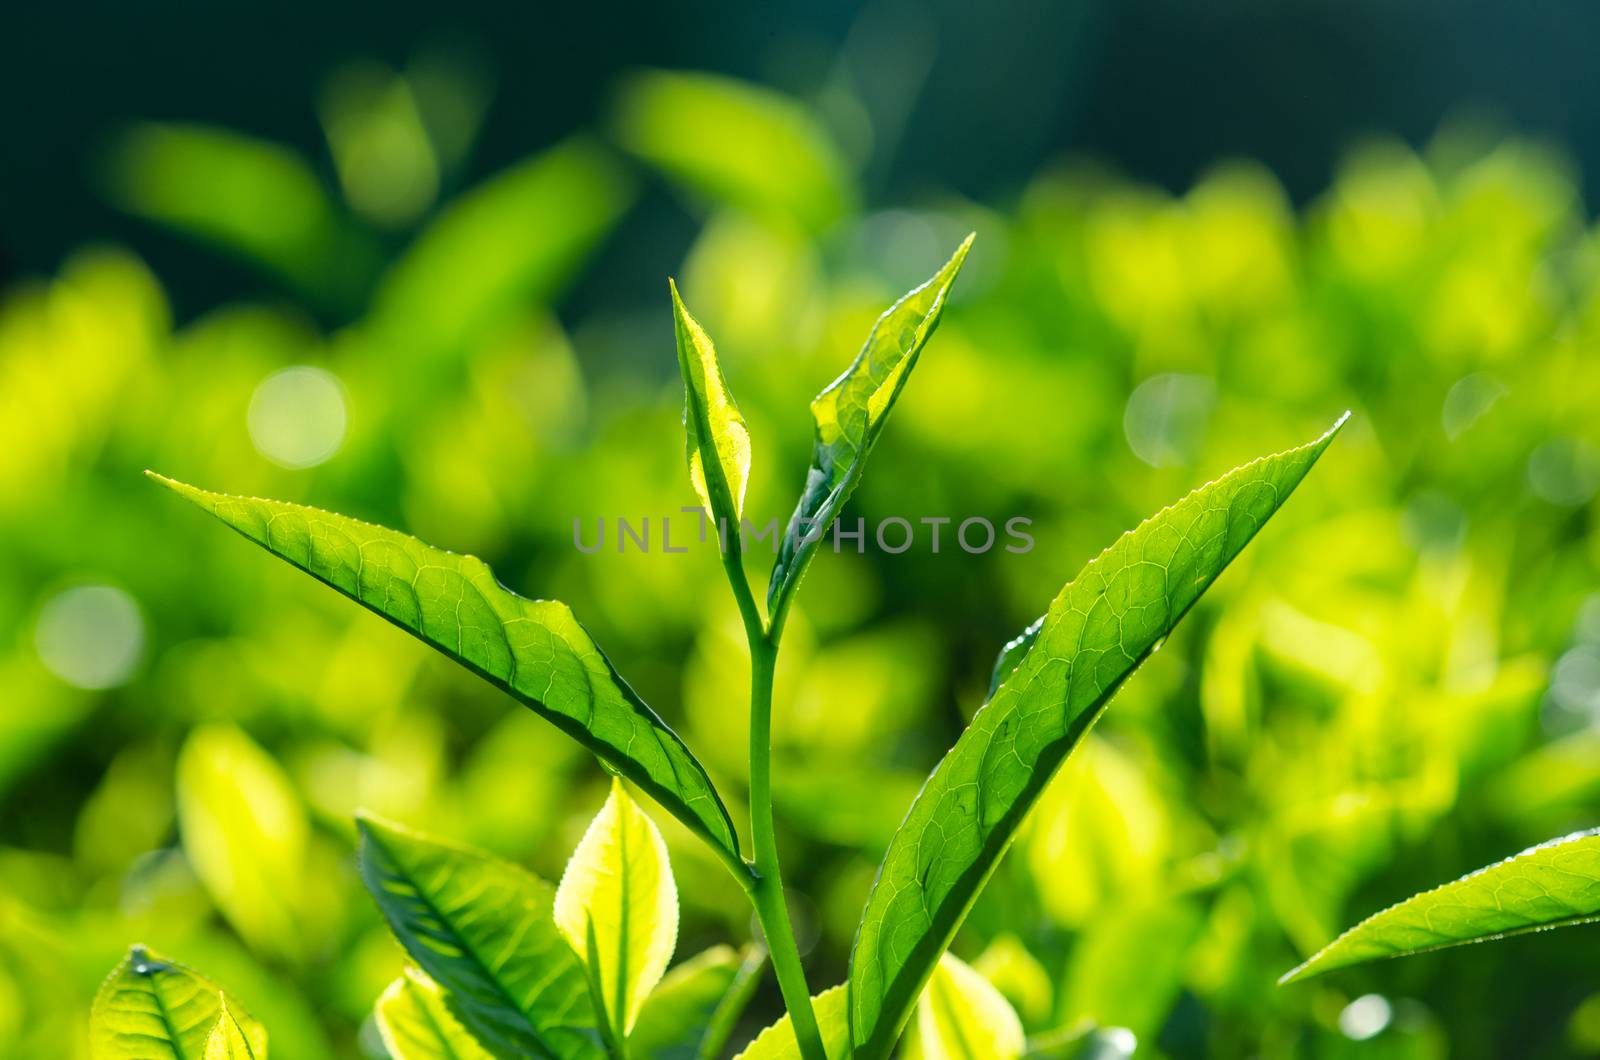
x,y
765,884
766,891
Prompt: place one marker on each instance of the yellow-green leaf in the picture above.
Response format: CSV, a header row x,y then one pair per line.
x,y
848,417
736,143
1018,975
778,1042
1096,632
231,1040
245,833
481,928
617,906
1555,884
536,650
152,1009
415,1022
963,1017
716,435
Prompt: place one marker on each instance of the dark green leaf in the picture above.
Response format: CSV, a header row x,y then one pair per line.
x,y
1555,884
482,928
1096,632
534,649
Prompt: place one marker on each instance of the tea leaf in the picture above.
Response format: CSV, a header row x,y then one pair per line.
x,y
735,143
415,1022
152,1009
1012,654
777,1042
962,1017
533,649
617,906
231,1041
525,230
1555,884
848,417
1096,632
717,436
482,929
699,996
245,833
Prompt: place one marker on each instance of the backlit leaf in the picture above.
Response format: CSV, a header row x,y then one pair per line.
x,y
482,929
778,1042
696,1000
524,230
152,1009
618,906
245,832
735,143
717,437
415,1022
1555,884
533,649
848,417
963,1017
231,1040
1096,632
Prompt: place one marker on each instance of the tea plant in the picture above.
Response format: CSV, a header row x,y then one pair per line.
x,y
508,967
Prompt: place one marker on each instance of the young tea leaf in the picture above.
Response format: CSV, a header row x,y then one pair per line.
x,y
684,1012
1555,884
533,649
848,417
482,929
777,1042
617,906
245,833
1096,632
718,442
231,1041
152,1009
962,1017
415,1022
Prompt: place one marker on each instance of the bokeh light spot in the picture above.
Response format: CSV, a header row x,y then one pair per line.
x,y
90,636
1365,1017
1564,471
1468,400
1166,417
297,416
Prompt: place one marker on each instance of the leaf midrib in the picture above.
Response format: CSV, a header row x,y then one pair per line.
x,y
467,948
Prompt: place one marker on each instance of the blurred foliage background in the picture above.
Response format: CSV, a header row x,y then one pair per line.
x,y
413,270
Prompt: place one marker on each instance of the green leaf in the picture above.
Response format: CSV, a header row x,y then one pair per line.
x,y
231,1040
1096,632
1012,654
1555,884
717,437
696,1000
245,833
1018,975
482,928
961,1016
617,907
525,232
533,649
777,1042
415,1022
152,1009
848,417
735,143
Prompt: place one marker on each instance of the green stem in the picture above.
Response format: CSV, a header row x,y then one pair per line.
x,y
765,883
766,891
